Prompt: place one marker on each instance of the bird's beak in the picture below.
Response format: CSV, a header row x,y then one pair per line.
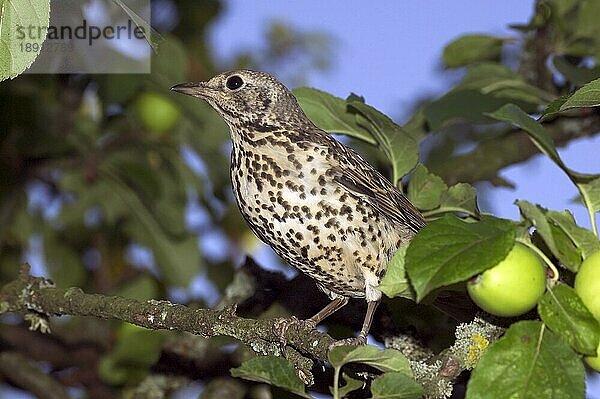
x,y
195,89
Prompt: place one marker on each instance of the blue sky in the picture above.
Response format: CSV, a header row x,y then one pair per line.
x,y
389,51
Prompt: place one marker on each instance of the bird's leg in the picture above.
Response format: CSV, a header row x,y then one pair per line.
x,y
332,307
364,331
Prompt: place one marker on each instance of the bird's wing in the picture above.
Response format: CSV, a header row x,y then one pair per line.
x,y
361,179
382,195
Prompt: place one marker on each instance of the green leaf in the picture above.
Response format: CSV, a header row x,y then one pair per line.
x,y
588,184
175,180
468,49
461,105
520,93
461,197
553,108
529,362
330,113
382,359
352,384
152,36
136,349
567,241
396,386
400,148
178,259
563,311
569,254
500,82
416,126
14,56
590,190
513,89
583,239
394,282
510,113
485,88
272,370
483,73
537,217
574,74
586,96
425,189
448,251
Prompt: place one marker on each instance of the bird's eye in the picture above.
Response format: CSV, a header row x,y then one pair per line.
x,y
234,82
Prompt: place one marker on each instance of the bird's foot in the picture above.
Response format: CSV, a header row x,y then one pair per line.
x,y
358,341
284,324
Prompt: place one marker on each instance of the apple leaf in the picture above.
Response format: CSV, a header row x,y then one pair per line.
x,y
448,251
535,215
468,49
382,359
14,14
583,238
396,386
513,114
528,362
586,96
273,370
575,74
461,197
567,241
425,189
461,105
394,282
352,384
563,311
553,108
590,191
400,147
152,36
330,113
587,184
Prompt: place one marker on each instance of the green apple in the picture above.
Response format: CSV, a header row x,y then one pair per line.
x,y
157,113
594,361
513,286
587,284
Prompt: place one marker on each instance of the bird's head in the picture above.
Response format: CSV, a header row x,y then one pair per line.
x,y
244,97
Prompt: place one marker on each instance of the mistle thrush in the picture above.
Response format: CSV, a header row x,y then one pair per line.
x,y
317,203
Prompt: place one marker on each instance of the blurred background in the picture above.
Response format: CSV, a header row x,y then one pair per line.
x,y
114,184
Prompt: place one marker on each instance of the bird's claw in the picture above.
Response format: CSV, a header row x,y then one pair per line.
x,y
284,324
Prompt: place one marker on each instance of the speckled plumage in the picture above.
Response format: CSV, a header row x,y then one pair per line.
x,y
316,202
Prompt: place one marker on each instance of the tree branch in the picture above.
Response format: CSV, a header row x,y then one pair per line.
x,y
37,298
490,156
